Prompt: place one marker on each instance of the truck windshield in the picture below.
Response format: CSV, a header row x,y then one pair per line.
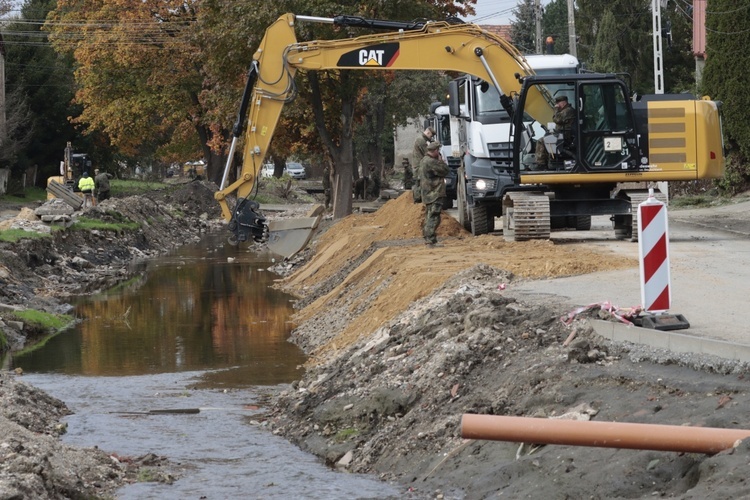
x,y
488,101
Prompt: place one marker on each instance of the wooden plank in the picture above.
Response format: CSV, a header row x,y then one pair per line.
x,y
65,194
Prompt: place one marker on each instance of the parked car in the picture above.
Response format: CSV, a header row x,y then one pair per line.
x,y
267,170
295,170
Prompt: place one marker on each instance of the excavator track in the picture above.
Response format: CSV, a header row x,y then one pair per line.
x,y
636,198
526,217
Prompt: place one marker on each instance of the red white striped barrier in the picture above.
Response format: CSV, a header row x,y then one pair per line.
x,y
653,250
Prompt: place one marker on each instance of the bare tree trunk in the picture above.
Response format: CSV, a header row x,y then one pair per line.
x,y
378,152
215,168
279,163
343,155
215,162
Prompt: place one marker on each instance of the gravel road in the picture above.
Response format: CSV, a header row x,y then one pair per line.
x,y
709,252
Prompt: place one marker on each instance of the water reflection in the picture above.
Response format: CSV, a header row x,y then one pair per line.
x,y
209,306
205,317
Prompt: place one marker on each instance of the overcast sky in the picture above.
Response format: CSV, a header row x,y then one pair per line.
x,y
495,11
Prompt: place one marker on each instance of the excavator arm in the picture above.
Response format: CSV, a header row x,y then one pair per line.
x,y
437,46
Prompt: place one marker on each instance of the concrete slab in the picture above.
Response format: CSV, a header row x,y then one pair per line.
x,y
676,342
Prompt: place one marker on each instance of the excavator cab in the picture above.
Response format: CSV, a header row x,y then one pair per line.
x,y
603,136
79,163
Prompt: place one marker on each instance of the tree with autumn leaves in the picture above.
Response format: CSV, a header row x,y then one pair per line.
x,y
138,75
163,79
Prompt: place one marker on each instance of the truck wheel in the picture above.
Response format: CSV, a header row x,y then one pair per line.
x,y
479,220
583,223
558,222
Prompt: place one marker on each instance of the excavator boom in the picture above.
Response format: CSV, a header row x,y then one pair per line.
x,y
609,147
410,46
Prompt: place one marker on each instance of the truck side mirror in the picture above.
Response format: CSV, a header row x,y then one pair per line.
x,y
454,103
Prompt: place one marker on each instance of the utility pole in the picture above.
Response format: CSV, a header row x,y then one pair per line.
x,y
658,60
538,18
658,66
572,28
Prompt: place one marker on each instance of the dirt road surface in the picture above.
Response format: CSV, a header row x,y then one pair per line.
x,y
709,252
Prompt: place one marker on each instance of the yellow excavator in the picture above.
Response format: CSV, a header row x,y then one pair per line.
x,y
65,185
614,140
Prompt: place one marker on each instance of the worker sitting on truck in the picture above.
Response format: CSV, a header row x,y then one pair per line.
x,y
564,118
86,186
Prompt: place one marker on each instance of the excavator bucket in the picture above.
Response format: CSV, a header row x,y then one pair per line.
x,y
290,236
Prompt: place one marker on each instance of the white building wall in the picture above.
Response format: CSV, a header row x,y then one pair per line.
x,y
403,140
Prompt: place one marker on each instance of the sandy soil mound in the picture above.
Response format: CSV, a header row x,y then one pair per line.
x,y
366,268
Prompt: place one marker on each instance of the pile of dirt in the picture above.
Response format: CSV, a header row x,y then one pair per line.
x,y
406,339
367,268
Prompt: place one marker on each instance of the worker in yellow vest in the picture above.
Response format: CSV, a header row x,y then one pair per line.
x,y
86,186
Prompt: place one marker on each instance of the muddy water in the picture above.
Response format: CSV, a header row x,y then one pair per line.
x,y
200,331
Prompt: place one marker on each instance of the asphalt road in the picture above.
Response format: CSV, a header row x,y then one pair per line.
x,y
709,254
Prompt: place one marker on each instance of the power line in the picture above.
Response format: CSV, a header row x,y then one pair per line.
x,y
499,8
716,12
728,32
491,15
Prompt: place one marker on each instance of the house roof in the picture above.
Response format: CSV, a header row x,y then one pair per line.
x,y
501,30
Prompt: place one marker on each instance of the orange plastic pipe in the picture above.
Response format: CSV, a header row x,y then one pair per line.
x,y
707,440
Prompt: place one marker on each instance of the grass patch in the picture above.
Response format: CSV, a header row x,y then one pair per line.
x,y
43,320
87,224
697,201
40,324
147,476
16,235
345,434
117,216
30,194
